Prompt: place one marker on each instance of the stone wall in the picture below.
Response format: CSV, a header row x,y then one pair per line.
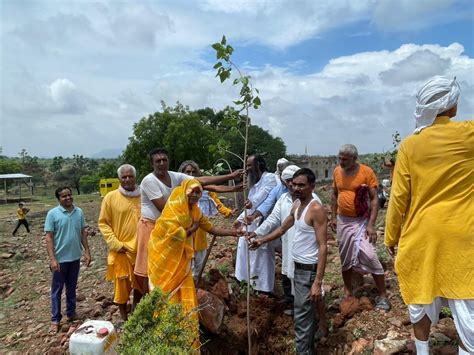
x,y
323,167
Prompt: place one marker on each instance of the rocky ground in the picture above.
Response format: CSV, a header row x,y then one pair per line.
x,y
355,327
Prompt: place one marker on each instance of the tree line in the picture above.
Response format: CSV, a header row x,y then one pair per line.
x,y
202,135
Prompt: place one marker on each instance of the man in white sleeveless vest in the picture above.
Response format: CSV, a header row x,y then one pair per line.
x,y
309,253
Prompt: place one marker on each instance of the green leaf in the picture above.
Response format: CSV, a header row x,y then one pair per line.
x,y
258,92
216,46
217,65
256,101
223,41
236,81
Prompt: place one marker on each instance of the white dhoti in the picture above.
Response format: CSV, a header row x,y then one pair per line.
x,y
463,315
262,264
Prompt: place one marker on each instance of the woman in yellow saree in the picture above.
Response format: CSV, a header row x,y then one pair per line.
x,y
170,249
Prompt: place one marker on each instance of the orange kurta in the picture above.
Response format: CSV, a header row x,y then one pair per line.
x,y
347,185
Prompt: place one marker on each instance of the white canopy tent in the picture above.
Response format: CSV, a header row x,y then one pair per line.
x,y
19,177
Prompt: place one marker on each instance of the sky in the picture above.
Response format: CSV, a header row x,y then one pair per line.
x,y
76,75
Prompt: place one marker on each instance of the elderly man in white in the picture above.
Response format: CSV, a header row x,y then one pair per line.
x,y
262,261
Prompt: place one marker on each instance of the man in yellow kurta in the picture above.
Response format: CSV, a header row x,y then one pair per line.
x,y
430,215
118,221
170,249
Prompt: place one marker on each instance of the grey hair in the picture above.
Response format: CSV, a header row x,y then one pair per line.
x,y
124,167
349,149
185,163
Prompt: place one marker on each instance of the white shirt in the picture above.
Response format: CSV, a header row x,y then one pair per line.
x,y
153,188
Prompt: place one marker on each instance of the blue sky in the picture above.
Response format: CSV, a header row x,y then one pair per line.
x,y
75,76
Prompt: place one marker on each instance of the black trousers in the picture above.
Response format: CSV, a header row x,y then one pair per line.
x,y
20,222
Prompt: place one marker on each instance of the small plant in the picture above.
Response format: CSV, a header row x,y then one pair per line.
x,y
382,254
158,327
223,268
446,312
245,287
358,333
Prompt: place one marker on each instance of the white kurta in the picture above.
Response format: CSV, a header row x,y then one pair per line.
x,y
262,260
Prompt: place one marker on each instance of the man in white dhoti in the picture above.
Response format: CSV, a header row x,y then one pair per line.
x,y
262,261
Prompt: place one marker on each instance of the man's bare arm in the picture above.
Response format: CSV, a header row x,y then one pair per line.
x,y
216,180
334,208
159,203
319,222
374,208
85,245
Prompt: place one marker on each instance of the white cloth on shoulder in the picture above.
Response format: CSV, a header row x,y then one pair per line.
x,y
425,113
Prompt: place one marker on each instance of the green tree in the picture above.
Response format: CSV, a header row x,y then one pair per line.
x,y
108,169
9,165
185,134
197,135
57,164
81,166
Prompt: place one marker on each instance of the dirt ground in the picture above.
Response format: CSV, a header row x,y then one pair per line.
x,y
354,327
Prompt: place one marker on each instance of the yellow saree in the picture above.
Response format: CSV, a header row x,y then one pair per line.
x,y
170,249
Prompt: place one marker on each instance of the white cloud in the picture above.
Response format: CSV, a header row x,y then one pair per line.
x,y
80,76
66,97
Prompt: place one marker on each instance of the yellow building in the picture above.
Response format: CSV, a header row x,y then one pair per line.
x,y
107,185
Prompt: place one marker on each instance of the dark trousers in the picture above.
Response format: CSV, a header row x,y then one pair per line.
x,y
20,222
286,284
305,315
67,276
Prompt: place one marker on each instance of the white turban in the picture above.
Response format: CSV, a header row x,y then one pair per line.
x,y
289,171
280,162
425,113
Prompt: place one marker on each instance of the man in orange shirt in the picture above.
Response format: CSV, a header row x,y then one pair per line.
x,y
355,205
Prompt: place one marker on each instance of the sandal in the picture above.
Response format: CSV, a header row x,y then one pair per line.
x,y
53,328
382,303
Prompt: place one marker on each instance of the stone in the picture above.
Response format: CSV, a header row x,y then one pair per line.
x,y
100,298
389,345
440,337
80,297
349,306
9,291
338,320
97,312
221,290
396,322
445,350
358,346
6,255
365,304
211,311
106,303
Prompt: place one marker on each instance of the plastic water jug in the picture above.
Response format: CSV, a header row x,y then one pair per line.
x,y
87,340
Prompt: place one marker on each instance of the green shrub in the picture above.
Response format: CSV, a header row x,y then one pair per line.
x,y
158,327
